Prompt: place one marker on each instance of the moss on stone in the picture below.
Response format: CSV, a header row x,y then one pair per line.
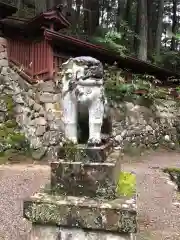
x,y
10,136
8,101
10,123
126,185
81,212
167,170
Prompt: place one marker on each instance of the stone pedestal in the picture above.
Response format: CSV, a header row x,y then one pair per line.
x,y
84,153
83,179
82,197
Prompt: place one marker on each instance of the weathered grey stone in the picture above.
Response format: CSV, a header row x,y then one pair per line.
x,y
38,154
23,84
36,115
19,109
40,130
40,121
52,153
3,55
58,233
2,117
3,106
14,76
118,138
32,122
84,153
36,143
37,107
31,93
2,88
4,63
50,116
117,215
51,138
4,71
48,97
167,138
56,125
31,102
18,99
48,86
42,112
83,179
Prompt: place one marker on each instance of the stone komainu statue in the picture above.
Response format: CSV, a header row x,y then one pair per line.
x,y
82,91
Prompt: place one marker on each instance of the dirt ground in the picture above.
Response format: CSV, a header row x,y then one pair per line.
x,y
158,217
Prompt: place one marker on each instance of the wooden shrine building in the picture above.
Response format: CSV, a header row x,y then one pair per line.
x,y
39,48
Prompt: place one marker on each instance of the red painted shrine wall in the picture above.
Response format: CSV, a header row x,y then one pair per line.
x,y
34,57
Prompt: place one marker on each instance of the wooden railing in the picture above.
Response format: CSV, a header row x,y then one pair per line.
x,y
35,59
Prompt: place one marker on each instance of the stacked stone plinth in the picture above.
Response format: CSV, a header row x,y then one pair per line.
x,y
82,195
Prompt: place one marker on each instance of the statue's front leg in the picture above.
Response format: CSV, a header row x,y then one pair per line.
x,y
96,112
70,117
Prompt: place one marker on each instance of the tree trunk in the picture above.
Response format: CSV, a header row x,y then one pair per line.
x,y
150,26
78,10
127,14
174,26
91,16
143,26
40,6
136,41
86,15
95,14
19,6
159,27
120,11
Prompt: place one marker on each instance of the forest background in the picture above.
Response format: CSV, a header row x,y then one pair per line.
x,y
145,29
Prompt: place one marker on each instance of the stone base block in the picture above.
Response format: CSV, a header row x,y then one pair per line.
x,y
83,179
56,233
84,153
116,215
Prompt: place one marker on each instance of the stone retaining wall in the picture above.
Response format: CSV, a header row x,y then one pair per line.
x,y
136,126
37,108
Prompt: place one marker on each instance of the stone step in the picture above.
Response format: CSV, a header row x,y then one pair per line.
x,y
115,215
59,233
84,153
84,179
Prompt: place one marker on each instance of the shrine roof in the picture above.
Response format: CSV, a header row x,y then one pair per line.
x,y
6,10
78,47
53,16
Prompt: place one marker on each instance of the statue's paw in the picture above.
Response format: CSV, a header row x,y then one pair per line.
x,y
94,142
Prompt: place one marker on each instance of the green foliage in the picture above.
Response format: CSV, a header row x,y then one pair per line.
x,y
111,40
11,139
68,150
126,185
141,86
167,59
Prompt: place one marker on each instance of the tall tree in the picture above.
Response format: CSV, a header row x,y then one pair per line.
x,y
127,12
40,6
120,11
159,28
91,16
143,26
174,24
